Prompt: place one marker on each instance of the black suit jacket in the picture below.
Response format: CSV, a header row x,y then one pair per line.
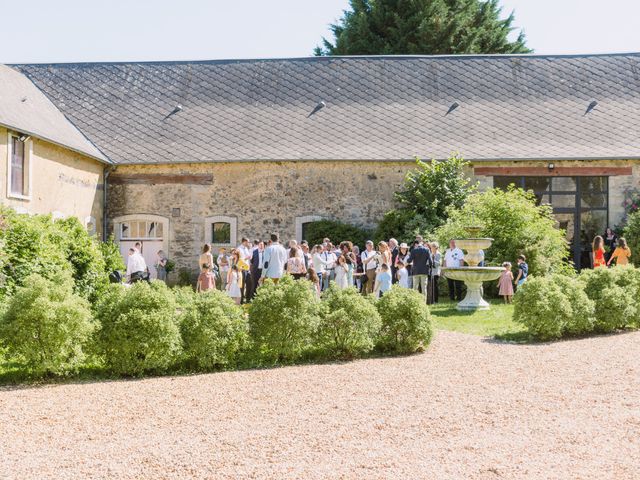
x,y
255,260
420,258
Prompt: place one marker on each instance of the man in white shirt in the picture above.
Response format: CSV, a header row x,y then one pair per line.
x,y
329,259
369,264
454,258
245,254
275,259
136,266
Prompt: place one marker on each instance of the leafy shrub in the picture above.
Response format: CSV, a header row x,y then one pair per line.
x,y
283,317
46,325
138,331
112,257
615,300
517,226
632,235
541,306
349,322
336,231
406,321
582,316
213,329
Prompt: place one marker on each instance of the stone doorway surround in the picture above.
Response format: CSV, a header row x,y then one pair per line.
x,y
300,221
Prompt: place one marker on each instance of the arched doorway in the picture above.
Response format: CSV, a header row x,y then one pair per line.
x,y
151,231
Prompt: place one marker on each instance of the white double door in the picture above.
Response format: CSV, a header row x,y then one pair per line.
x,y
149,252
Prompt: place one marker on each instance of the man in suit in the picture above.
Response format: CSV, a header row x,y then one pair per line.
x,y
421,262
256,266
393,247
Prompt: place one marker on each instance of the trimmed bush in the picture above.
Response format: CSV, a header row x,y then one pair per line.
x,y
406,321
349,323
632,234
47,326
213,330
582,317
138,331
615,305
283,317
541,306
336,231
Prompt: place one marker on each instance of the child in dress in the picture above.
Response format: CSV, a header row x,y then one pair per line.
x,y
402,274
233,284
206,279
598,252
383,281
621,253
312,276
342,271
505,283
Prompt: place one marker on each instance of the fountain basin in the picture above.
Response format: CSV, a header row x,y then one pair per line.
x,y
473,246
473,278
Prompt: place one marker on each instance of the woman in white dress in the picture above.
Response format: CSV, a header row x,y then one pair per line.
x,y
342,272
233,287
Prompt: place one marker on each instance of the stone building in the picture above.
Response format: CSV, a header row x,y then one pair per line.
x,y
212,151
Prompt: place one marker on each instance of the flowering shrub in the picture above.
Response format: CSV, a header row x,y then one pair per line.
x,y
406,321
349,322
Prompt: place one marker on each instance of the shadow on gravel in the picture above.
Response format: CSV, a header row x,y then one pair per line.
x,y
524,338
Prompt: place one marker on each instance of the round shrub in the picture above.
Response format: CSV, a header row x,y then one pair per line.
x,y
283,317
615,305
406,321
628,278
542,307
213,329
138,331
632,235
349,322
581,319
47,326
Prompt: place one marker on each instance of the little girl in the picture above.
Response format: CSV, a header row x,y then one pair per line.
x,y
505,283
341,270
621,253
312,276
233,284
598,252
402,274
206,279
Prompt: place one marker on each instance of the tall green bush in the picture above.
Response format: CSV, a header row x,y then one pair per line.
x,y
517,226
616,303
406,321
46,325
582,317
111,255
349,323
138,328
337,231
213,329
283,318
632,236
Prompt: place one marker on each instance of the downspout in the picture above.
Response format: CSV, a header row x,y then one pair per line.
x,y
105,176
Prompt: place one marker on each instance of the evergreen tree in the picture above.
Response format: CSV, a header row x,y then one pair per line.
x,y
413,27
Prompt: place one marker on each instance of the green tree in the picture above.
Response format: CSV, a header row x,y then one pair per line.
x,y
428,192
432,27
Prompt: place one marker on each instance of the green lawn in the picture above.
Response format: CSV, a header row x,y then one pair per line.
x,y
496,322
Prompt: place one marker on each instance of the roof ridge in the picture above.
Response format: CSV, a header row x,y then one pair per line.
x,y
339,57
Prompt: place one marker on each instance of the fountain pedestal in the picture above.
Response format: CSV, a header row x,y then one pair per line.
x,y
473,275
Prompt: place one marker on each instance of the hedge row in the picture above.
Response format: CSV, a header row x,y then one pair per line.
x,y
600,300
149,328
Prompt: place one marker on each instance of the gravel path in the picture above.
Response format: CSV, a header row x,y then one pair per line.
x,y
467,408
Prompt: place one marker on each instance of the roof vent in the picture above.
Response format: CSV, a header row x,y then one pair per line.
x,y
175,110
453,106
591,106
317,108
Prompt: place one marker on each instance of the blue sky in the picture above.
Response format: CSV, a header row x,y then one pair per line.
x,y
133,30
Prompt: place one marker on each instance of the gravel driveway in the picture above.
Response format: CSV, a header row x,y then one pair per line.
x,y
467,408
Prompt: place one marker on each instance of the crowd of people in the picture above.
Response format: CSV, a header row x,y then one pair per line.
x,y
373,270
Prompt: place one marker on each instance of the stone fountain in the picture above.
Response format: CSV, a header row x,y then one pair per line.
x,y
473,275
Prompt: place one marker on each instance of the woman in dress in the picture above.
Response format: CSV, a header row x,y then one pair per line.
x,y
161,265
505,283
610,242
385,255
598,253
341,270
621,254
403,256
295,264
205,257
433,291
233,284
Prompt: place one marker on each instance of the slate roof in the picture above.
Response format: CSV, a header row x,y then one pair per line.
x,y
376,108
24,108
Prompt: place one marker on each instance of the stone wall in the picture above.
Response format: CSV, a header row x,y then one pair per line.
x,y
263,197
62,182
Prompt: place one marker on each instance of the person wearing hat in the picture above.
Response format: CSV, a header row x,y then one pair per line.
x,y
403,256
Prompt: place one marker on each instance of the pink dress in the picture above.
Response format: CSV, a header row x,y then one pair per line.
x,y
506,283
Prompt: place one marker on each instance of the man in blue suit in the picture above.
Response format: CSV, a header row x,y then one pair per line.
x,y
256,266
421,262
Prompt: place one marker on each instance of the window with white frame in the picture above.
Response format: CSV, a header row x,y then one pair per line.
x,y
19,167
221,230
141,230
